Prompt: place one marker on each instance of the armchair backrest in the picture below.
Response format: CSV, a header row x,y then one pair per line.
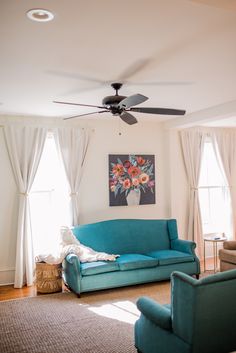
x,y
204,311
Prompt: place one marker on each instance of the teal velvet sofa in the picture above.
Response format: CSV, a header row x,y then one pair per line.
x,y
149,251
200,319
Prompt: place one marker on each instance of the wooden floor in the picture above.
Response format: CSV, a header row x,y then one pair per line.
x,y
9,292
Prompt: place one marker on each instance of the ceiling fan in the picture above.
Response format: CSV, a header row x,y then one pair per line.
x,y
121,106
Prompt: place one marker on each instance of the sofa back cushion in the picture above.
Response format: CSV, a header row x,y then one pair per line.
x,y
124,236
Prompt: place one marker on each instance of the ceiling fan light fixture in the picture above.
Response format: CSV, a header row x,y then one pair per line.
x,y
40,15
121,105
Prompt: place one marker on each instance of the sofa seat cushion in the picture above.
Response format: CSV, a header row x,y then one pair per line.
x,y
168,257
227,255
96,267
135,261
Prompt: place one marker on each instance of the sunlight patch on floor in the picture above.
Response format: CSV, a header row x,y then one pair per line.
x,y
124,311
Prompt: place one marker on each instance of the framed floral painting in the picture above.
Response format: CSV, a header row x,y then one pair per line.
x,y
131,179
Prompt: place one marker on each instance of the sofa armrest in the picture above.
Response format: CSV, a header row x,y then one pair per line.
x,y
229,245
72,273
183,245
73,259
158,314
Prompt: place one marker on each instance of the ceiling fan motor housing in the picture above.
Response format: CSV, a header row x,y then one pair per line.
x,y
111,103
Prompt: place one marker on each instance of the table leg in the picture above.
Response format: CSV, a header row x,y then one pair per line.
x,y
214,255
204,259
214,266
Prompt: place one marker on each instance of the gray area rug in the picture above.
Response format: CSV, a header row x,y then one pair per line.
x,y
59,323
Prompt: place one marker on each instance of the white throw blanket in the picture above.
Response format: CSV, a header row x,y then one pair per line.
x,y
71,245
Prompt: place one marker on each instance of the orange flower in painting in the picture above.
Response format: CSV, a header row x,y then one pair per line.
x,y
133,171
144,178
118,170
141,161
126,184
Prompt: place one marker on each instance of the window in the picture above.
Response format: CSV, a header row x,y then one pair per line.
x,y
214,195
49,200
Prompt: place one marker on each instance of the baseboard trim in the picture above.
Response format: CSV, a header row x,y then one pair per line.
x,y
7,276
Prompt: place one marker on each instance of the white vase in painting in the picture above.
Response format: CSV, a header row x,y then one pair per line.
x,y
133,197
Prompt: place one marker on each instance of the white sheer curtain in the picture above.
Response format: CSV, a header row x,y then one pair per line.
x,y
25,146
224,141
72,143
192,146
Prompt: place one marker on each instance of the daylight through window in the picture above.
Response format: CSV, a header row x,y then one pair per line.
x,y
214,194
49,200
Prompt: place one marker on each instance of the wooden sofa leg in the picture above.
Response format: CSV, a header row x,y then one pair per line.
x,y
71,290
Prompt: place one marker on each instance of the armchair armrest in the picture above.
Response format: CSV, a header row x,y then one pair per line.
x,y
229,245
158,314
183,245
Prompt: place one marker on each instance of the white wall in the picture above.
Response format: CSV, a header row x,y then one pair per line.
x,y
142,138
145,138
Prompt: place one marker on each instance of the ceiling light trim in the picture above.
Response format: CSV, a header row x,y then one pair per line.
x,y
40,15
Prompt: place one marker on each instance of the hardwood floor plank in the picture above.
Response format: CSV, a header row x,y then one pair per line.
x,y
9,292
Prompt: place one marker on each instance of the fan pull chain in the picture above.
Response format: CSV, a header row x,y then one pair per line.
x,y
119,126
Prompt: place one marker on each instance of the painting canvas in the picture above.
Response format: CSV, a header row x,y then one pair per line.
x,y
131,179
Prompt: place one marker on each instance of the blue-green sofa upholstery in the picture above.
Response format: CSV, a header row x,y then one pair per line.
x,y
200,319
149,251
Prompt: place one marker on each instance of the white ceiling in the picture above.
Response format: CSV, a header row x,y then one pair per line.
x,y
186,48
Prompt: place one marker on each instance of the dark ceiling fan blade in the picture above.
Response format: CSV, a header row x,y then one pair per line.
x,y
76,76
161,111
76,116
132,100
161,83
137,66
82,105
130,71
128,118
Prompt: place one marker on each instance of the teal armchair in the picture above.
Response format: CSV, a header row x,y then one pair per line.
x,y
200,319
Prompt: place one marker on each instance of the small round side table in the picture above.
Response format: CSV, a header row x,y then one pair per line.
x,y
214,238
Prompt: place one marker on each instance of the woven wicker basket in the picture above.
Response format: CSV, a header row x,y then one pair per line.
x,y
48,278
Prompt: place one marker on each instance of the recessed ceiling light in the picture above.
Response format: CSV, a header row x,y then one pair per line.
x,y
40,15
